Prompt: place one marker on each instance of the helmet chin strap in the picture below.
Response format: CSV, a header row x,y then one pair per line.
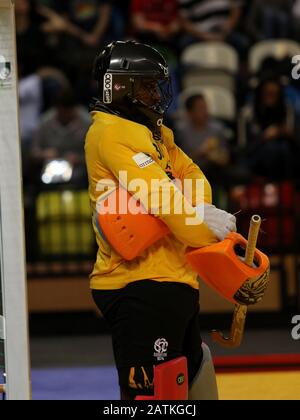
x,y
152,119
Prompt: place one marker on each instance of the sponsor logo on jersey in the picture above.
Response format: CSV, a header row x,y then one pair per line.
x,y
143,160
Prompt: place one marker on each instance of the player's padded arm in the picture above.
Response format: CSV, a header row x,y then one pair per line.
x,y
185,168
219,221
118,156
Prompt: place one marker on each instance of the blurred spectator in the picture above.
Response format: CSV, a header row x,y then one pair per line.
x,y
268,128
53,82
158,23
33,99
155,21
34,49
30,102
296,19
30,106
270,19
83,26
123,7
61,134
203,139
212,20
85,20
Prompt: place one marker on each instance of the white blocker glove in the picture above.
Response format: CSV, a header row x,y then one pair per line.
x,y
219,221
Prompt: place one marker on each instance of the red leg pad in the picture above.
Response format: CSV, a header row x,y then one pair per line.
x,y
170,381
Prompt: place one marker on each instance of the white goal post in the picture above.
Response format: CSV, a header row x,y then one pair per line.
x,y
12,253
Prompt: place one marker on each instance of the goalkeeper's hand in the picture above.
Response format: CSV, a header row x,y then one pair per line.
x,y
219,221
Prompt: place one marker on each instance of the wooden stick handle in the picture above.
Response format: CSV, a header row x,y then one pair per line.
x,y
240,311
2,389
252,239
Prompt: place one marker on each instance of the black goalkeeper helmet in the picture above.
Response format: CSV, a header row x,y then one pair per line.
x,y
133,81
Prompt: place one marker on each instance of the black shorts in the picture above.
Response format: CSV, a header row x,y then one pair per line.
x,y
151,323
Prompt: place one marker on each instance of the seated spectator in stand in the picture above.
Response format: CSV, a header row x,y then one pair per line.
x,y
270,19
83,26
30,107
34,49
30,103
156,21
296,19
85,20
212,20
202,138
36,92
61,134
123,8
269,129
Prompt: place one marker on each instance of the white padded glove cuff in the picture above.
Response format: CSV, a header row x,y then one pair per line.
x,y
219,221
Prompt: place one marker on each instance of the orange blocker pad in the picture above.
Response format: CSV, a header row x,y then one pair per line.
x,y
129,234
222,269
170,381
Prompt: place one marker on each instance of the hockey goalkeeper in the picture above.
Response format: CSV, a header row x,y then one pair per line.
x,y
152,302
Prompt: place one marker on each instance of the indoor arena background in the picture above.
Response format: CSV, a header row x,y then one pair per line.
x,y
238,87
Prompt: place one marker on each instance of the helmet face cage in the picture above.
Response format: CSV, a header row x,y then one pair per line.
x,y
158,93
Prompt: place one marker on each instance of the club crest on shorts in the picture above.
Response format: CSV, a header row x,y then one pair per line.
x,y
161,348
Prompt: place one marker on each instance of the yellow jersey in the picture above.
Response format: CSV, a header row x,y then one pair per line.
x,y
114,144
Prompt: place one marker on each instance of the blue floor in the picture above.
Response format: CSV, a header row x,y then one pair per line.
x,y
88,383
82,367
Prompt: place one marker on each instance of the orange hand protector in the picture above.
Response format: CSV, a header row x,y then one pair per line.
x,y
219,265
